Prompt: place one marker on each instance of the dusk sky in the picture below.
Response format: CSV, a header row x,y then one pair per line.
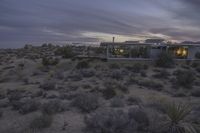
x,y
59,21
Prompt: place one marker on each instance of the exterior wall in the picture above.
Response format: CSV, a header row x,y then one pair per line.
x,y
155,53
153,50
192,51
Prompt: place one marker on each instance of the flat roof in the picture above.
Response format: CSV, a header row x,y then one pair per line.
x,y
147,44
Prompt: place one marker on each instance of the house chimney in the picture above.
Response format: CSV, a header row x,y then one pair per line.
x,y
113,39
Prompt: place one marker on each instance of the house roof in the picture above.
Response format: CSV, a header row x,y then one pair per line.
x,y
146,44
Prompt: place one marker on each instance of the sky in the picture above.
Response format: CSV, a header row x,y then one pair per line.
x,y
60,21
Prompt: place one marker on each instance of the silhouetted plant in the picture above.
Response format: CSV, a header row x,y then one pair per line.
x,y
49,61
114,66
41,122
65,52
86,102
177,114
82,65
164,60
197,55
52,107
109,93
185,78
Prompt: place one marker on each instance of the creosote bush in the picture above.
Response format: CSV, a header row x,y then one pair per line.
x,y
184,78
82,64
52,107
114,66
48,85
197,55
50,61
151,84
117,121
164,60
41,122
163,74
86,102
65,52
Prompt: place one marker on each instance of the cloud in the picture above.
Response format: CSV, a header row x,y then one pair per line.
x,y
29,21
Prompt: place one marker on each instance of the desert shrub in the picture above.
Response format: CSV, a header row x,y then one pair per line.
x,y
109,93
143,74
163,74
41,122
117,75
133,100
82,65
50,61
48,85
114,66
195,93
1,113
15,95
52,107
151,84
65,52
86,102
136,68
197,55
116,121
111,89
164,60
140,117
74,77
117,102
195,64
197,69
28,106
180,94
99,50
184,78
132,80
110,121
87,73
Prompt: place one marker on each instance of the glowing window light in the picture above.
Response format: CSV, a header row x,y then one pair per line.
x,y
121,51
178,52
184,52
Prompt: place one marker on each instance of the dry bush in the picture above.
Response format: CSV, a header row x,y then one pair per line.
x,y
86,102
117,121
41,122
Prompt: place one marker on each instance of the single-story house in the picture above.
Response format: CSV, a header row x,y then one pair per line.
x,y
149,50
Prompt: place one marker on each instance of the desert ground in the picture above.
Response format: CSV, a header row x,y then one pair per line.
x,y
43,90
